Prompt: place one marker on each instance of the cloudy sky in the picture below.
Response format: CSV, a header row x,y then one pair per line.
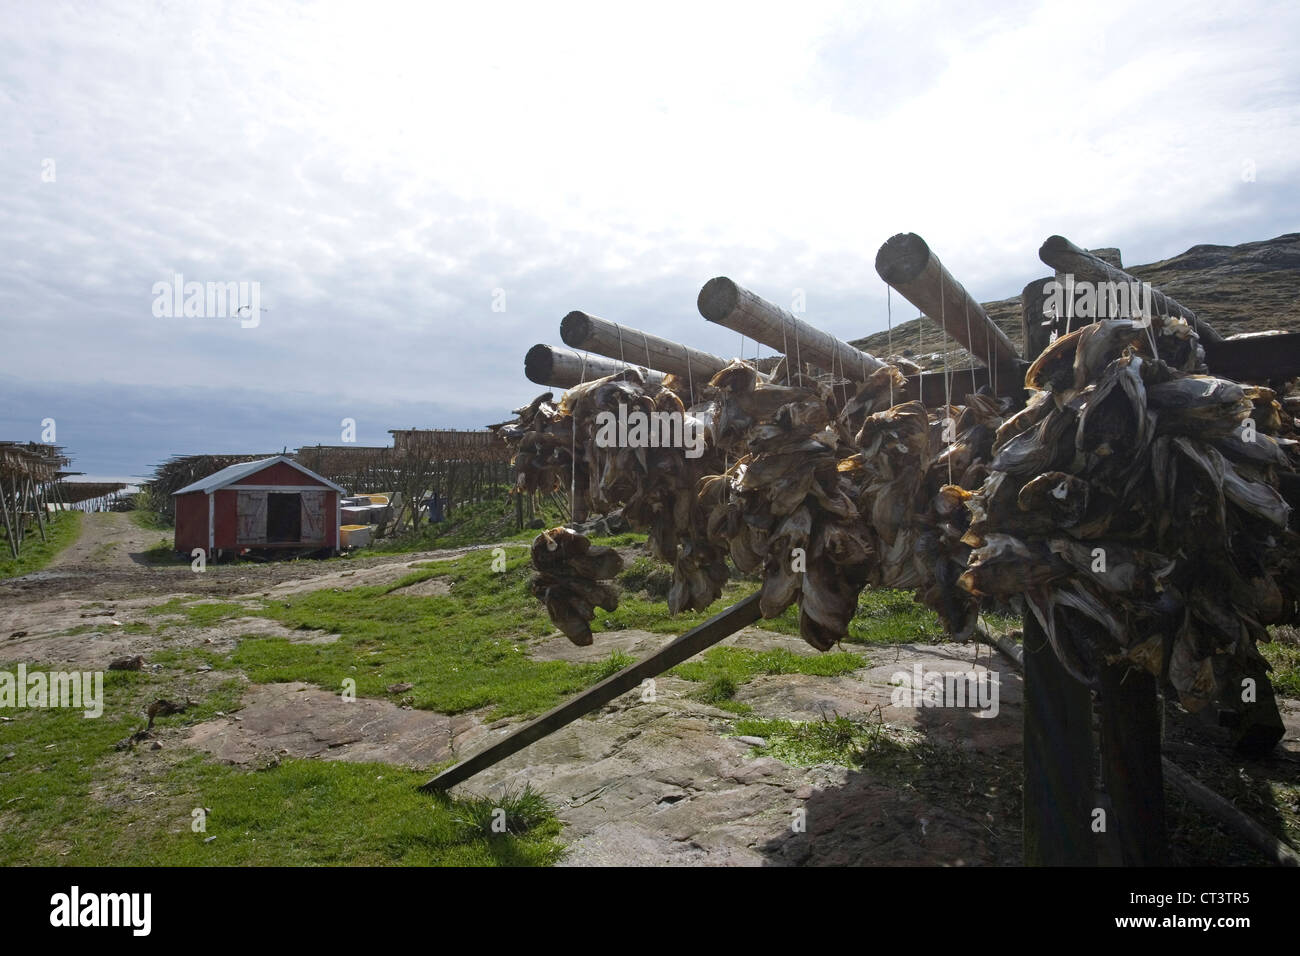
x,y
387,174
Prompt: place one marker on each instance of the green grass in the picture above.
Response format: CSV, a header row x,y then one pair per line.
x,y
884,616
150,520
61,530
477,522
68,796
460,651
733,666
1284,654
202,613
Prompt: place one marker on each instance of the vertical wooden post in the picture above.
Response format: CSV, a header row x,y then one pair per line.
x,y
1130,764
1058,784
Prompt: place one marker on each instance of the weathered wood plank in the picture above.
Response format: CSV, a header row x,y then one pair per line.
x,y
582,331
1064,256
907,264
698,638
1262,358
1058,785
725,303
1130,764
556,367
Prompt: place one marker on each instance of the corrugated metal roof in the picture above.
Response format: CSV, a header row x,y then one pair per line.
x,y
233,473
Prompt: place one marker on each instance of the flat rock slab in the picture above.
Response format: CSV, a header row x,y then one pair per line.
x,y
664,783
300,720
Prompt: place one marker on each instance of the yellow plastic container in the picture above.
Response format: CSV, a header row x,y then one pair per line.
x,y
354,535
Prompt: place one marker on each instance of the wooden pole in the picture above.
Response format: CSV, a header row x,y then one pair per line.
x,y
1034,322
1191,788
1064,256
563,368
1130,764
4,507
932,391
1058,784
907,264
729,305
582,331
712,631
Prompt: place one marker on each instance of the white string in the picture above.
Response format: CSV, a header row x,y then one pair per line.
x,y
573,447
646,343
785,348
969,338
947,385
889,320
690,377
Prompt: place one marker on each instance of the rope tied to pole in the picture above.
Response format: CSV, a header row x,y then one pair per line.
x,y
889,325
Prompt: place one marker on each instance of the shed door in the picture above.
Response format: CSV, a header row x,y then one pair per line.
x,y
313,516
250,512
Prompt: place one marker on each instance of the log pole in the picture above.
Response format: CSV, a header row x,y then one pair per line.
x,y
715,629
1130,764
556,367
1065,257
724,302
582,331
908,265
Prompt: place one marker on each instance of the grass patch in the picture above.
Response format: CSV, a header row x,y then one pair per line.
x,y
61,529
460,651
477,522
150,520
202,614
163,553
1284,654
739,665
67,795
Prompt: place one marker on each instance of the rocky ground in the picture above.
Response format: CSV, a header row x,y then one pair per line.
x,y
653,778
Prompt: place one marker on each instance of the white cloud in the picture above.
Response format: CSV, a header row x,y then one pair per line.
x,y
381,169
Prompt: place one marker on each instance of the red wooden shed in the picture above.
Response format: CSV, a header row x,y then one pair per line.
x,y
274,503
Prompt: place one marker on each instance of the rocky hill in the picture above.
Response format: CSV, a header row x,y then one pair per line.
x,y
1252,287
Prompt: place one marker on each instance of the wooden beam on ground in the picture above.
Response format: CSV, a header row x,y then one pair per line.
x,y
724,302
698,638
556,367
1260,358
929,388
589,333
908,265
1064,256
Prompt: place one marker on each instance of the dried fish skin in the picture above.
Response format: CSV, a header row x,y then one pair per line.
x,y
1199,406
570,570
828,600
1040,449
1035,410
1191,671
1070,361
1064,498
781,572
1008,565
